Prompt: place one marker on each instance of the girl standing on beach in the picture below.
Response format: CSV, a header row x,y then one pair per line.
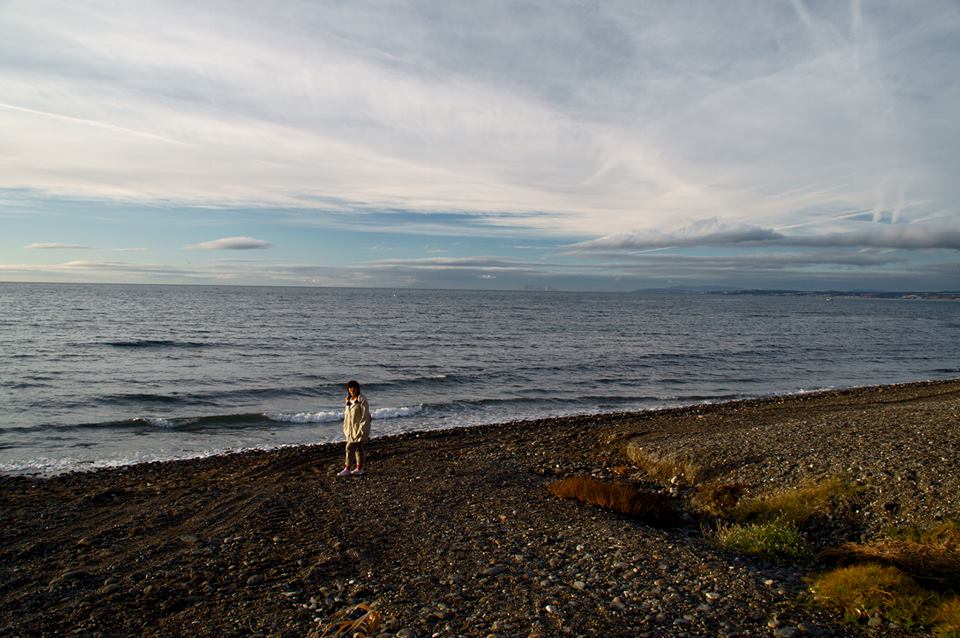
x,y
356,430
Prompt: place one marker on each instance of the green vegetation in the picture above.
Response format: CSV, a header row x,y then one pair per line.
x,y
666,469
898,577
799,505
778,539
948,619
861,591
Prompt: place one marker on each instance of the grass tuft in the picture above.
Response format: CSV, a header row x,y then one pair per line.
x,y
623,498
947,620
860,591
778,539
666,469
799,505
931,557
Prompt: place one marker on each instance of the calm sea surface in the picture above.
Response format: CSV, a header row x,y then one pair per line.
x,y
102,375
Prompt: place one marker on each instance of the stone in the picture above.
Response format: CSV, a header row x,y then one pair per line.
x,y
810,629
786,632
256,579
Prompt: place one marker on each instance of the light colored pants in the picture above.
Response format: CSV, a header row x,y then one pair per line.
x,y
356,451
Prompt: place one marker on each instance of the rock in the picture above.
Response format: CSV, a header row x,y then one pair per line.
x,y
256,579
579,584
617,603
811,629
786,632
550,609
875,621
712,595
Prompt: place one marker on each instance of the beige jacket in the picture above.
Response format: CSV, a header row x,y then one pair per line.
x,y
356,420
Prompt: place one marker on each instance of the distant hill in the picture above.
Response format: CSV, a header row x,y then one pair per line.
x,y
864,294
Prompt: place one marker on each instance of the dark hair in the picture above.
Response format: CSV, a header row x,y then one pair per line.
x,y
353,384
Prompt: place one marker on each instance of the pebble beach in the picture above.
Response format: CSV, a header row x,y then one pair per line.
x,y
454,533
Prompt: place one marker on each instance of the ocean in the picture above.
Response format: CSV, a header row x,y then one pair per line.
x,y
97,376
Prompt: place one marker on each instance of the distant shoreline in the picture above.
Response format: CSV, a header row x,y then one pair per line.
x,y
915,295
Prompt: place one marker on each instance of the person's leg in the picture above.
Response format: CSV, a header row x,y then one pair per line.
x,y
362,455
348,454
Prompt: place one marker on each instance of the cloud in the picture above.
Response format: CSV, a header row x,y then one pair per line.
x,y
704,232
715,232
454,263
583,119
57,246
902,236
232,243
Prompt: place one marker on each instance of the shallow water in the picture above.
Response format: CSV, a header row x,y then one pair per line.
x,y
102,375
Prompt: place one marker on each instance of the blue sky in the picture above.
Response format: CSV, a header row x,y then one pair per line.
x,y
572,145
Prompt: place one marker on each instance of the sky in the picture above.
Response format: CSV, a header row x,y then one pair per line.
x,y
568,145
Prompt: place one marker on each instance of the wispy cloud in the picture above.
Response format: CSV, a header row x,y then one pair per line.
x,y
781,138
232,243
583,120
452,263
56,246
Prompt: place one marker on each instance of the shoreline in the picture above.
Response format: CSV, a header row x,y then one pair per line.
x,y
532,422
453,532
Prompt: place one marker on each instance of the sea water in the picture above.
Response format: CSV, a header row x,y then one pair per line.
x,y
102,375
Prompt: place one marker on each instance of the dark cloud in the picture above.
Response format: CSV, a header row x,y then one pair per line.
x,y
715,232
232,243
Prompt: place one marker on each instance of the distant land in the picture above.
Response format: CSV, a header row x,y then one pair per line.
x,y
834,294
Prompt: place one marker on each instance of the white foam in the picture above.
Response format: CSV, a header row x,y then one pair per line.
x,y
330,416
156,421
393,413
305,417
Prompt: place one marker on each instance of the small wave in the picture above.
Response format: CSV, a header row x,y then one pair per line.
x,y
143,397
305,417
328,416
394,413
156,343
160,422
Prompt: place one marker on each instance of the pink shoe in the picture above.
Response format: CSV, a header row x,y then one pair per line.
x,y
344,472
358,472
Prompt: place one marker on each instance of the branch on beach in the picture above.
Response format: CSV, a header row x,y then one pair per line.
x,y
651,507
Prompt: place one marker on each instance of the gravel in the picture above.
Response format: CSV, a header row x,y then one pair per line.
x,y
454,533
